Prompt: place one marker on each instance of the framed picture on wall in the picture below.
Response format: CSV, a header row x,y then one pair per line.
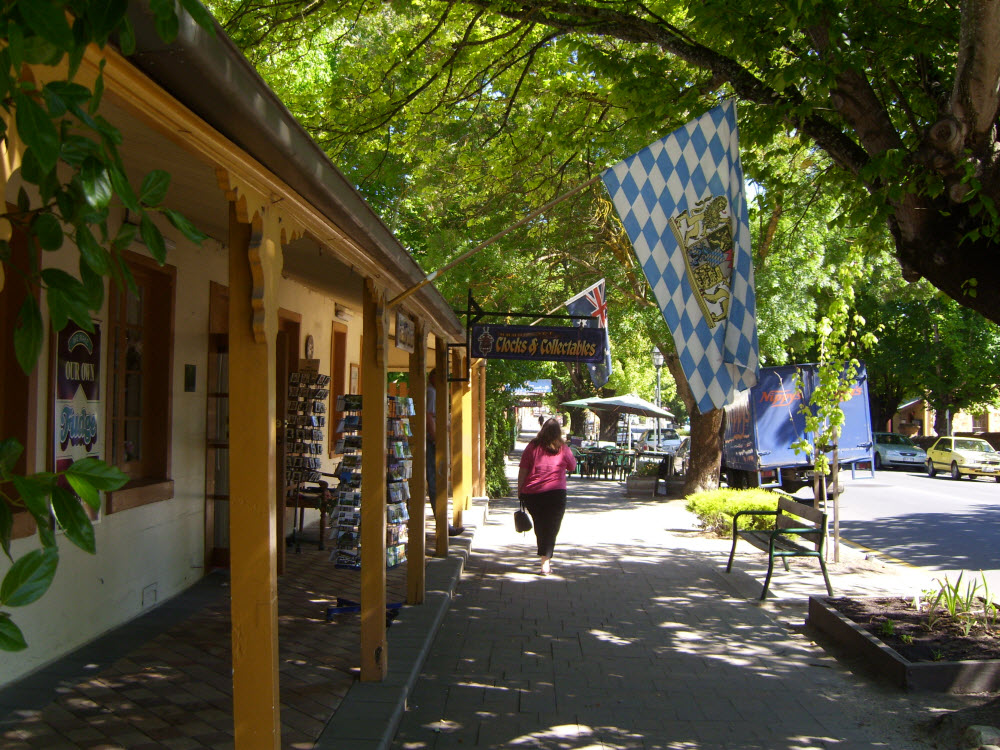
x,y
352,387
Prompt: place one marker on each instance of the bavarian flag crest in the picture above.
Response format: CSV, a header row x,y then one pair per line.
x,y
683,205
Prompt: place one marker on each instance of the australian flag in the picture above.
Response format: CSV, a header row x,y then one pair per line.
x,y
592,303
683,206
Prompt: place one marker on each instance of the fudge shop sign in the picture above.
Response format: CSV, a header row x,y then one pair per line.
x,y
562,344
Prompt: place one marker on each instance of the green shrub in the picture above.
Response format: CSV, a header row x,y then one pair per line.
x,y
715,509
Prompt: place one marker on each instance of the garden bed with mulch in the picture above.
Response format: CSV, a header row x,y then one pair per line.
x,y
912,650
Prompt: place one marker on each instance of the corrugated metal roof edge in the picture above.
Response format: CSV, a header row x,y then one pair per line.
x,y
211,77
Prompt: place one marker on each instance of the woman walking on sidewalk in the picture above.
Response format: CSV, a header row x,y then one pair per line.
x,y
541,486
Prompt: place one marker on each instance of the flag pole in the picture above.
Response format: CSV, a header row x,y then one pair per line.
x,y
451,264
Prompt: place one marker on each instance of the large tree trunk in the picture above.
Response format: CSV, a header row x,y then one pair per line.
x,y
577,422
609,427
942,424
706,432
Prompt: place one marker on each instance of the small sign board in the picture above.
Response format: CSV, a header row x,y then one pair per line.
x,y
534,386
405,332
539,343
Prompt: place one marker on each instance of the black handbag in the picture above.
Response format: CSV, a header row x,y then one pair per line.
x,y
522,521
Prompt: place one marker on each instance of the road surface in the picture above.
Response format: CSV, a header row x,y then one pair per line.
x,y
939,524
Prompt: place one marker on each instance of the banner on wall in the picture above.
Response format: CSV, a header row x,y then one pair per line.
x,y
78,429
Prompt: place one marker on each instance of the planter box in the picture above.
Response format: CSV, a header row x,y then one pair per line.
x,y
960,677
636,486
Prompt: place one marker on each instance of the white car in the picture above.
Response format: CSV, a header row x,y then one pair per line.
x,y
669,441
894,450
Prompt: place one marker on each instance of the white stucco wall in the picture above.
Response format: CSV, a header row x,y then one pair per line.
x,y
148,554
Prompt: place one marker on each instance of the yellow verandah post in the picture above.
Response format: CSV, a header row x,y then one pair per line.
x,y
416,530
374,371
252,519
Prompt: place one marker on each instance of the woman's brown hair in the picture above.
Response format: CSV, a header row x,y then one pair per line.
x,y
550,436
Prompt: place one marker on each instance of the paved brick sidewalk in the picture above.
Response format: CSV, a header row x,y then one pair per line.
x,y
640,640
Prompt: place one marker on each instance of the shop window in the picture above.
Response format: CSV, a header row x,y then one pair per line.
x,y
979,422
140,340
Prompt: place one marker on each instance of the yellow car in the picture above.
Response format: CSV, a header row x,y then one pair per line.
x,y
963,456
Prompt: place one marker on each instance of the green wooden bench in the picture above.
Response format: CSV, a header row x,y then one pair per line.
x,y
795,523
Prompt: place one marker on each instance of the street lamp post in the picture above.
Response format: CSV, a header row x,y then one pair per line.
x,y
657,363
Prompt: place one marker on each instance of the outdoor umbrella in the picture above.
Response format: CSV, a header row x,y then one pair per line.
x,y
616,405
629,404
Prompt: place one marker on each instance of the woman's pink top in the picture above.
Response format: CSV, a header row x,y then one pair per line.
x,y
540,471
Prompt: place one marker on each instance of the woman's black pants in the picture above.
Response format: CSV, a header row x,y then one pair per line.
x,y
547,510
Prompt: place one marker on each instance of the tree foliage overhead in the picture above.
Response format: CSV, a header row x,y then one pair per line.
x,y
900,97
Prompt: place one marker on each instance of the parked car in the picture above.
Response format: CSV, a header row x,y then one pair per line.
x,y
669,441
963,456
622,438
893,449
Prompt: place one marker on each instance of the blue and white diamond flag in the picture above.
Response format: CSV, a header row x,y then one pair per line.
x,y
683,205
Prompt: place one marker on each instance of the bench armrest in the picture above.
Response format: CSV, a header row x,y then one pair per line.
x,y
749,513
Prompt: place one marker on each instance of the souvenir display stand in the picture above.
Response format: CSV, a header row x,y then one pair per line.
x,y
398,474
305,419
399,468
346,523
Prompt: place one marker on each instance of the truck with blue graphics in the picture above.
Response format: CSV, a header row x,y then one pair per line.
x,y
763,423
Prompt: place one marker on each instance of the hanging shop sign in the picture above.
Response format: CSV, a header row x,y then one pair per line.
x,y
555,344
77,410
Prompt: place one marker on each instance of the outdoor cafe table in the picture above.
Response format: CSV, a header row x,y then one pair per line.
x,y
602,463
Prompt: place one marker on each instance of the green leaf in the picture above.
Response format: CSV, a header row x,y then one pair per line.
x,y
98,473
48,230
6,527
73,519
188,229
87,492
167,27
91,252
201,16
95,103
46,534
96,183
40,51
29,577
28,334
153,238
76,148
48,20
31,169
10,452
72,95
104,18
93,283
126,37
123,187
58,279
34,491
125,236
37,130
11,638
69,304
15,46
154,188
